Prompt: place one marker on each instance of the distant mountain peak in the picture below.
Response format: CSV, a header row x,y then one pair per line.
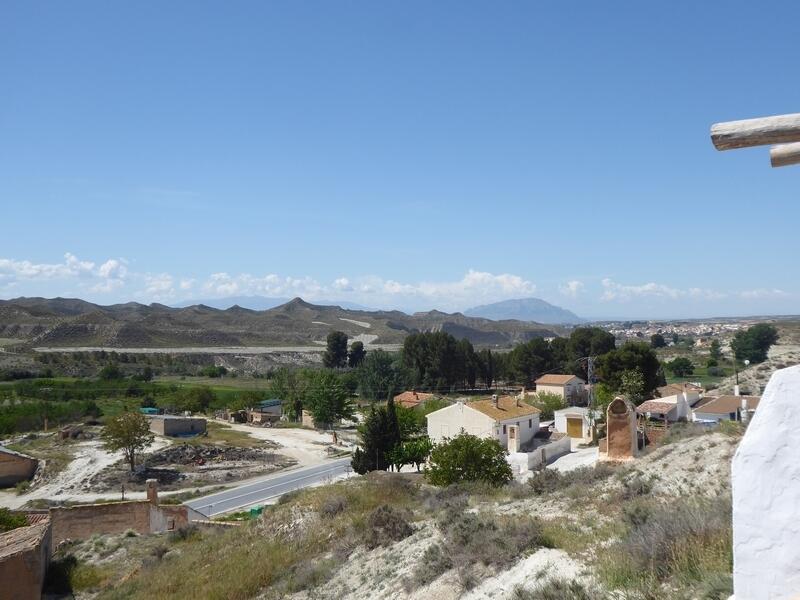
x,y
525,309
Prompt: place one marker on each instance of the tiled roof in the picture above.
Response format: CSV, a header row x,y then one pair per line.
x,y
34,518
410,399
22,539
555,379
724,405
508,407
674,389
658,407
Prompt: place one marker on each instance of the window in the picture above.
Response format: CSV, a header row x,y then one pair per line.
x,y
504,429
530,423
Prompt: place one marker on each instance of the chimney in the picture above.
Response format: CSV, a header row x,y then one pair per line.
x,y
736,390
152,491
518,404
744,402
494,400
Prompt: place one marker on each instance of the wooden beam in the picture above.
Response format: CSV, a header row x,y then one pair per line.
x,y
756,132
784,155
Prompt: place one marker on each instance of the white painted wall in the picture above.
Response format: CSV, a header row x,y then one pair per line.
x,y
451,420
448,422
560,419
766,494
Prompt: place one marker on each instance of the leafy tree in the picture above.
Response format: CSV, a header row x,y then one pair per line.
x,y
413,452
657,341
548,403
714,350
380,376
468,458
631,356
411,422
289,386
194,399
675,338
530,360
327,400
129,432
336,350
213,371
486,367
356,355
110,372
680,366
632,385
380,434
754,343
712,362
434,359
588,341
10,520
147,373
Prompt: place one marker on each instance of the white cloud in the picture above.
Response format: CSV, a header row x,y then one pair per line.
x,y
25,269
620,292
760,293
342,284
159,287
571,288
186,284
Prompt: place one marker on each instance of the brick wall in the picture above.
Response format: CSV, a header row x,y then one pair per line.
x,y
14,468
81,522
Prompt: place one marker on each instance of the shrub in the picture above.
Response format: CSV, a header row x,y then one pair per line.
x,y
10,520
547,481
471,539
385,526
557,589
635,486
184,533
548,403
714,371
692,546
333,506
468,458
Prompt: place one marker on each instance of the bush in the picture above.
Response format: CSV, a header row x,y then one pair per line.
x,y
557,589
471,539
635,486
547,481
547,403
385,526
10,520
468,458
694,546
714,371
333,506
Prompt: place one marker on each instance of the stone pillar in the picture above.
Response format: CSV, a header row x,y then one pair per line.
x,y
152,491
765,475
622,441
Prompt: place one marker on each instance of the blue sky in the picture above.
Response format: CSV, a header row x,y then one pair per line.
x,y
411,155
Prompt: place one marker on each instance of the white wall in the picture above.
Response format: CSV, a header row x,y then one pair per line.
x,y
766,494
560,418
448,422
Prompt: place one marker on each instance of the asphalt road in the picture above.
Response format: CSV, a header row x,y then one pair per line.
x,y
267,488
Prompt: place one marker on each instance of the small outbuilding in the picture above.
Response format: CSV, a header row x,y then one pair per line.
x,y
15,467
575,421
177,426
266,411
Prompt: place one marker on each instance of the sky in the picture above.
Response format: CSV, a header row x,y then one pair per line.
x,y
409,155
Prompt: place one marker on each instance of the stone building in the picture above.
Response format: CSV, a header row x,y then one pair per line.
x,y
24,557
175,426
15,467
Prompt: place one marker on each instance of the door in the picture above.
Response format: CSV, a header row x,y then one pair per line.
x,y
574,427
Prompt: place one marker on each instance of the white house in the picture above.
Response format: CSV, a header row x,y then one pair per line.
x,y
691,393
490,418
575,421
725,408
569,387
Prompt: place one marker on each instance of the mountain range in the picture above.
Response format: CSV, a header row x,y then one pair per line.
x,y
262,303
65,322
526,309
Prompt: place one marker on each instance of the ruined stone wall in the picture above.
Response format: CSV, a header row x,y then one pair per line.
x,y
24,556
14,469
81,522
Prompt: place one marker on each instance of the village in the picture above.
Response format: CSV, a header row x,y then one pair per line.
x,y
399,301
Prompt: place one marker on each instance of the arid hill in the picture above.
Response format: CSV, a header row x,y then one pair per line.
x,y
62,322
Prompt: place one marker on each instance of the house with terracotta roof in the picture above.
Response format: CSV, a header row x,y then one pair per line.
x,y
570,387
489,418
664,409
725,408
412,399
